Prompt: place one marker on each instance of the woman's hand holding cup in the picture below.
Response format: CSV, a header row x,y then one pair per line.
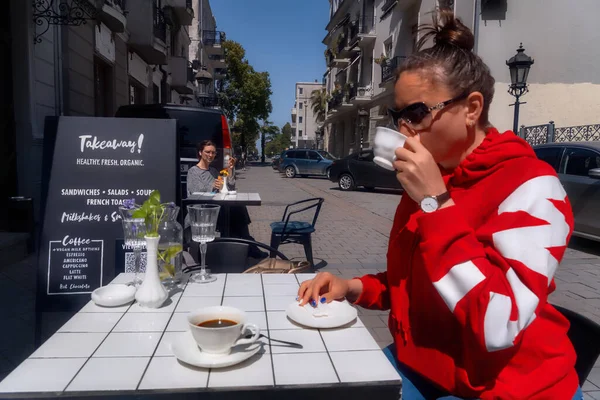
x,y
385,144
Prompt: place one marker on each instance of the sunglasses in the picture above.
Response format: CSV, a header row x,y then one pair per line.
x,y
417,115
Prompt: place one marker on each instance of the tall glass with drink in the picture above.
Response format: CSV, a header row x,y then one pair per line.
x,y
203,218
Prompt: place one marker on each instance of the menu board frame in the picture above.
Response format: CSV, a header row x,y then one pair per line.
x,y
70,264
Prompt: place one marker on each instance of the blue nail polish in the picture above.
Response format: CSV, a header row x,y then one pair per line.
x,y
323,300
313,303
297,298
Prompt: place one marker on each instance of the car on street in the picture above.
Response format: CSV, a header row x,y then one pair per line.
x,y
305,162
358,169
578,167
275,161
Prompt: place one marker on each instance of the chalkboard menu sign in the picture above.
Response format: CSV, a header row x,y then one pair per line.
x,y
96,163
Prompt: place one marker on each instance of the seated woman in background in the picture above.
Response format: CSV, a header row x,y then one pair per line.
x,y
203,178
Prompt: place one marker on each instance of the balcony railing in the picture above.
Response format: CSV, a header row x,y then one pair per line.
x,y
329,57
212,38
367,22
160,26
389,67
336,101
352,91
342,43
361,26
216,57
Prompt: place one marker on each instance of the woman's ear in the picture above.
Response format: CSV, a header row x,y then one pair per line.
x,y
475,103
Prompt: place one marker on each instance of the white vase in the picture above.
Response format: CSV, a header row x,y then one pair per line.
x,y
224,190
152,293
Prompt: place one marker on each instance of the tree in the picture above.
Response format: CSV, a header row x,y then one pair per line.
x,y
318,102
287,129
268,131
245,96
280,141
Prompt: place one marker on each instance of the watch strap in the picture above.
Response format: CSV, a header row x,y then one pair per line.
x,y
442,198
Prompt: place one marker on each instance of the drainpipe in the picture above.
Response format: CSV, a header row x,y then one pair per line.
x,y
477,8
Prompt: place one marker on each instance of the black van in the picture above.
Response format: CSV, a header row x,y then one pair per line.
x,y
194,124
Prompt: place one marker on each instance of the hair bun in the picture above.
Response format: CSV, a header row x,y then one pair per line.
x,y
449,30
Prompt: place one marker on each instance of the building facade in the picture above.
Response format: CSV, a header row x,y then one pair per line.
x,y
101,55
208,52
304,121
368,39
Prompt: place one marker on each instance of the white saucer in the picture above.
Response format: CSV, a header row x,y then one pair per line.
x,y
339,313
184,347
113,295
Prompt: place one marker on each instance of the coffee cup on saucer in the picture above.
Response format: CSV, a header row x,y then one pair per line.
x,y
217,329
385,145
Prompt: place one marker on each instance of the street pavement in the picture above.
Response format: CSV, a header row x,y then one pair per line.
x,y
351,240
352,235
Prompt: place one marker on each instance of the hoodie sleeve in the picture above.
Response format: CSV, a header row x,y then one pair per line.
x,y
375,294
494,281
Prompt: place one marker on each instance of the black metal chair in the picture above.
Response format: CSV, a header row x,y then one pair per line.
x,y
228,255
300,232
585,336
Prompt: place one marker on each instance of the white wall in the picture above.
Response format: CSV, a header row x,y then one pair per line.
x,y
562,37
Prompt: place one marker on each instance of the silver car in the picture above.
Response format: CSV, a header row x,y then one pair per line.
x,y
578,168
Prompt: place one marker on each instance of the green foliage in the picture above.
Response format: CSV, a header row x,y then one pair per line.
x,y
246,95
152,211
279,141
268,133
318,101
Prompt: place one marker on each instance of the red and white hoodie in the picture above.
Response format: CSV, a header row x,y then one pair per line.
x,y
467,286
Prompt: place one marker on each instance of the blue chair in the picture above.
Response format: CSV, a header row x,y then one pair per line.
x,y
300,232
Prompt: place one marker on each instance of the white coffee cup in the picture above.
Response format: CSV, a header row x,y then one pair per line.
x,y
385,145
220,340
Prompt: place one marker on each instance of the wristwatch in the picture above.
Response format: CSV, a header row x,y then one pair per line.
x,y
430,204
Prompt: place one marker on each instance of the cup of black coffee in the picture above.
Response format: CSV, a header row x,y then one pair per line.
x,y
217,329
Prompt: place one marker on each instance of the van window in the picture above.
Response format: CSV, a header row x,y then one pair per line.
x,y
290,154
195,127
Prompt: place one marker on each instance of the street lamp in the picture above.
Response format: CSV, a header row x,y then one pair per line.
x,y
519,66
204,78
363,121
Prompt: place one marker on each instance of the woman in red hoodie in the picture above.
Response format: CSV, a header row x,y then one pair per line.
x,y
476,239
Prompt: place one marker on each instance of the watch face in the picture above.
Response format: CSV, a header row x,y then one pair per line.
x,y
429,204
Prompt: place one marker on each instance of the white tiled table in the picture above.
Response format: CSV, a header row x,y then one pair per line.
x,y
125,351
226,201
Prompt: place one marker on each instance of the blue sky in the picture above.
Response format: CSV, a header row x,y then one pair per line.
x,y
282,37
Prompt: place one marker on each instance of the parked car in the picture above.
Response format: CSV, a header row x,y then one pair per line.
x,y
305,162
358,169
194,124
578,168
275,161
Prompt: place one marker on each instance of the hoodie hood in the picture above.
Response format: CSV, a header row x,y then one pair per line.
x,y
491,155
